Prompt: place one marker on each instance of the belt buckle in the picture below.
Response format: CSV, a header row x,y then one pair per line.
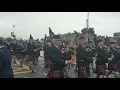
x,y
82,60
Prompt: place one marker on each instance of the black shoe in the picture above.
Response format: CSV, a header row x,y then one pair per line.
x,y
33,71
75,70
67,77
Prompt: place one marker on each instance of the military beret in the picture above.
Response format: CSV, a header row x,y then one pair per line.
x,y
56,37
48,40
100,40
113,42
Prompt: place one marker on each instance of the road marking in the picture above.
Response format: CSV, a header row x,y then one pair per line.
x,y
23,67
45,74
23,72
17,69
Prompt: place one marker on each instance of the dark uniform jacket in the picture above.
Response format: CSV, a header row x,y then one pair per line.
x,y
30,48
57,58
114,52
13,46
46,52
68,54
5,64
81,54
101,55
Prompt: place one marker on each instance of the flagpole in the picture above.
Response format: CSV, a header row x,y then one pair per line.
x,y
88,20
87,24
13,28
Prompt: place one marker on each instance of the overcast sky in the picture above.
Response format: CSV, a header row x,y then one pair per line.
x,y
37,23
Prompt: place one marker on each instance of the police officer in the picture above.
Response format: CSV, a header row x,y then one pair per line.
x,y
57,61
5,62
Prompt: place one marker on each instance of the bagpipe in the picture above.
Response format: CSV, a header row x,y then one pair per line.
x,y
69,54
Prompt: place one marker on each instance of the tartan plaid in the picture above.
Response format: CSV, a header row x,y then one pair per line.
x,y
100,69
56,74
50,74
112,67
84,69
119,66
37,54
88,68
82,72
29,58
47,63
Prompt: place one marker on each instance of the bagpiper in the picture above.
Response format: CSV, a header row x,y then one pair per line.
x,y
46,49
57,59
113,58
82,59
101,59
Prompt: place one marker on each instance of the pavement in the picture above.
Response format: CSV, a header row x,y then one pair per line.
x,y
41,72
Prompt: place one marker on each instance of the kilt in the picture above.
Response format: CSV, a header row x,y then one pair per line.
x,y
82,72
56,74
47,63
83,69
100,69
88,69
38,53
29,58
119,66
112,67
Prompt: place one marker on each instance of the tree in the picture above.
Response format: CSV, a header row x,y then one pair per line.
x,y
1,38
76,37
90,31
95,39
9,39
107,41
84,30
42,39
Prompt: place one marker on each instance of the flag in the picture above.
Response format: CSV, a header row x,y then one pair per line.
x,y
45,38
31,36
76,37
51,33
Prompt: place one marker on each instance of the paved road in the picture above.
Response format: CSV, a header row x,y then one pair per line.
x,y
41,72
